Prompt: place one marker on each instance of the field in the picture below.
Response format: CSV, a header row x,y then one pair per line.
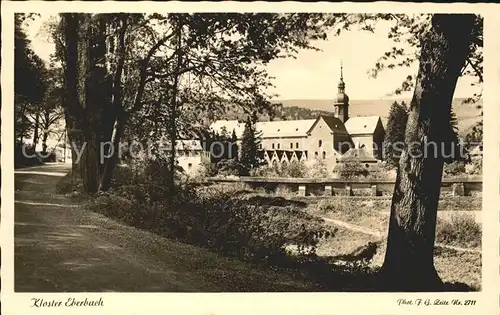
x,y
359,221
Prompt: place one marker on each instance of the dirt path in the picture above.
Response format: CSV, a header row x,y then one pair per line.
x,y
362,229
61,247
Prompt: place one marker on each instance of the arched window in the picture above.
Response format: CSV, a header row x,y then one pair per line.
x,y
296,145
316,154
320,143
291,145
273,145
324,155
278,146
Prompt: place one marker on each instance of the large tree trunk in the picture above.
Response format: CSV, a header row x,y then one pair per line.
x,y
36,135
116,112
173,110
73,110
86,94
93,96
409,260
45,135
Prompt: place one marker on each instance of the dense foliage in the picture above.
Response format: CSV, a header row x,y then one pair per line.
x,y
251,155
395,132
29,73
351,169
246,228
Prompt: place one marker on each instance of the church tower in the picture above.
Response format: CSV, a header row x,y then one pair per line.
x,y
342,101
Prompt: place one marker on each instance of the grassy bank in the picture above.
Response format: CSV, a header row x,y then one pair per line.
x,y
273,231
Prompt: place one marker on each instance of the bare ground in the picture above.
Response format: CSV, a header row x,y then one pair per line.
x,y
60,247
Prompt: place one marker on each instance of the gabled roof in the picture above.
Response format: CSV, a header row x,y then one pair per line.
x,y
336,125
362,125
359,154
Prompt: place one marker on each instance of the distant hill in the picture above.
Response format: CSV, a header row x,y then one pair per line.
x,y
468,114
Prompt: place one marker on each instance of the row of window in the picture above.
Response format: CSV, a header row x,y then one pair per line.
x,y
320,143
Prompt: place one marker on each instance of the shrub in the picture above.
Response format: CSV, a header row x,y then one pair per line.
x,y
460,203
461,230
454,169
294,169
229,167
395,132
208,169
382,170
351,169
123,175
255,231
273,170
475,167
113,206
284,190
318,169
25,155
68,184
157,171
222,221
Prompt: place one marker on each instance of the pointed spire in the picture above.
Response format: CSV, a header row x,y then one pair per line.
x,y
342,101
341,85
341,70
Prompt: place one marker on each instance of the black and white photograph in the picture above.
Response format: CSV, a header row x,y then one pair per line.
x,y
221,151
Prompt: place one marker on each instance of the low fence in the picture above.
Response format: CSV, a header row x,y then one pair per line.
x,y
462,186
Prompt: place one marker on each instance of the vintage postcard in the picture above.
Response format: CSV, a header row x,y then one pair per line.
x,y
250,158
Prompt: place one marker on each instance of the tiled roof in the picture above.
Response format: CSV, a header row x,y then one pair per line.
x,y
359,154
300,128
285,128
362,125
269,129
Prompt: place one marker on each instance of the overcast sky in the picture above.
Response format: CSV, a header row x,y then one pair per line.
x,y
315,75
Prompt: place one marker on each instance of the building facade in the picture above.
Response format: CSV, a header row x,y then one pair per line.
x,y
326,138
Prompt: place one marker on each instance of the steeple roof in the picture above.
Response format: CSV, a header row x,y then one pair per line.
x,y
341,82
341,96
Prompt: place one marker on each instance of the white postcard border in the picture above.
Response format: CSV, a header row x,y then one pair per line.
x,y
263,303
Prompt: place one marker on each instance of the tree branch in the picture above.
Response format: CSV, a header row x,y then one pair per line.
x,y
143,72
476,69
